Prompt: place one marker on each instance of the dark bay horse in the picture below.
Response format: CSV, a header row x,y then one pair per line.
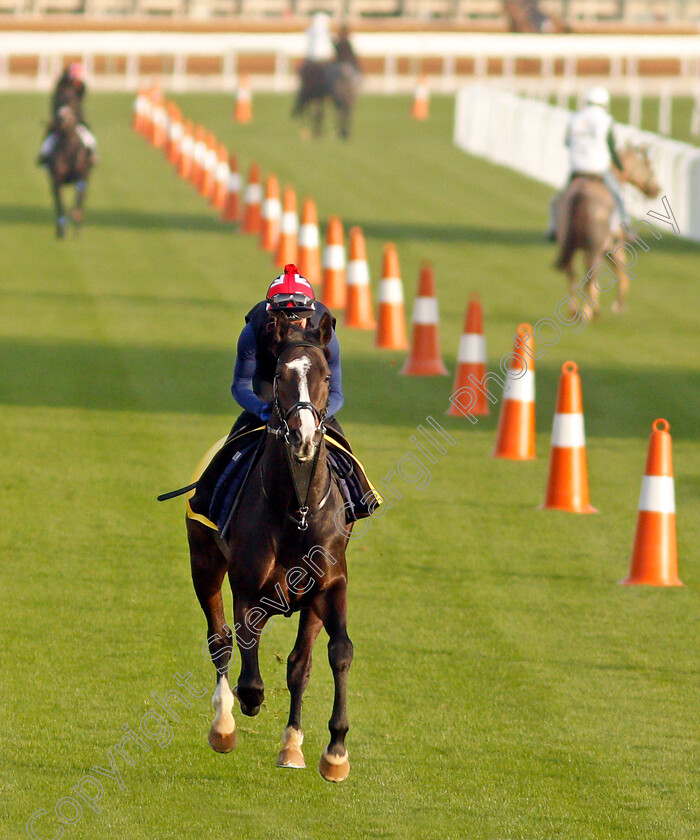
x,y
323,80
283,553
69,162
584,214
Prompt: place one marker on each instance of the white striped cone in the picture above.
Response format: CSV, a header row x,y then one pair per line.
x,y
654,555
309,243
334,289
515,436
471,365
424,358
567,485
391,323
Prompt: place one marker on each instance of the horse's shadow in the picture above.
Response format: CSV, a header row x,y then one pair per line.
x,y
125,218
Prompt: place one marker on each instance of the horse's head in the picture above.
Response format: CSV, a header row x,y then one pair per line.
x,y
66,120
638,170
302,384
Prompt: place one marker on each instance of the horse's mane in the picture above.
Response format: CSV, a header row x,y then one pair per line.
x,y
301,338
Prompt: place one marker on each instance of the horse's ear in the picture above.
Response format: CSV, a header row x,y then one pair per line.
x,y
325,330
282,327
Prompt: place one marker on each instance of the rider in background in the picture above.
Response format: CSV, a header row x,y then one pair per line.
x,y
591,144
345,54
319,45
70,90
291,295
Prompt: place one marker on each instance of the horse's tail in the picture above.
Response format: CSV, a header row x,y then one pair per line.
x,y
568,246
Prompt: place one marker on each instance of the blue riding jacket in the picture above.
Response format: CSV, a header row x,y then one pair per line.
x,y
254,370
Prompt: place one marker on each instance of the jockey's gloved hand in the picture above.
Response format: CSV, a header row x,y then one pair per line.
x,y
266,412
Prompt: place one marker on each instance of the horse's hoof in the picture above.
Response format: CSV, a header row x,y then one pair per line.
x,y
222,743
291,757
618,308
334,768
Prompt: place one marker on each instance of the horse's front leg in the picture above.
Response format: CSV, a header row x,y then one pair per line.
x,y
334,765
250,623
61,220
298,672
80,188
208,570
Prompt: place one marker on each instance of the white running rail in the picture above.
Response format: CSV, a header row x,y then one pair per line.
x,y
527,135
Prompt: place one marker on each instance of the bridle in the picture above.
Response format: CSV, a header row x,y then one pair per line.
x,y
300,474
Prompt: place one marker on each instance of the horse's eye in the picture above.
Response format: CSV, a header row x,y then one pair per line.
x,y
327,378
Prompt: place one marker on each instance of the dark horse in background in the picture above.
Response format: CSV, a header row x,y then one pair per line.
x,y
282,555
69,162
320,81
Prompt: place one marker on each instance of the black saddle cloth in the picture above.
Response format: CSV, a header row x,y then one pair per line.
x,y
224,479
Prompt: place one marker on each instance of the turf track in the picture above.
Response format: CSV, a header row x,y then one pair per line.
x,y
504,687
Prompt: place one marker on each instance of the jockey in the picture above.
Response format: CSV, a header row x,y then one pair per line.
x,y
70,90
254,371
591,144
319,46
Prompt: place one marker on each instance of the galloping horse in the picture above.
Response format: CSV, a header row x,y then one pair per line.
x,y
69,162
322,80
283,553
584,214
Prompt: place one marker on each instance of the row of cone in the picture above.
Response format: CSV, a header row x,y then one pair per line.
x,y
199,158
654,554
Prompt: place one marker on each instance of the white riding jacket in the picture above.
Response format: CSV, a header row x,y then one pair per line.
x,y
587,139
319,45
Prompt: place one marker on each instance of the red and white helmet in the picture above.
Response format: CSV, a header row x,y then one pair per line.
x,y
76,71
291,293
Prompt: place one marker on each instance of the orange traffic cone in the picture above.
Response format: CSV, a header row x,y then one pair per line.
x,y
221,173
359,302
208,181
270,215
424,358
309,250
515,438
198,154
231,211
243,112
288,246
334,290
654,556
184,164
172,147
471,361
160,124
421,100
391,326
252,200
140,108
567,486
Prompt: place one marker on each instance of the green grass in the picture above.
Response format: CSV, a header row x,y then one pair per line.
x,y
504,686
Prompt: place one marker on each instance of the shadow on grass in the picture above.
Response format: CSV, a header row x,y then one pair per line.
x,y
618,402
121,219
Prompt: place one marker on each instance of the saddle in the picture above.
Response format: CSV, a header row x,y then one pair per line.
x,y
222,475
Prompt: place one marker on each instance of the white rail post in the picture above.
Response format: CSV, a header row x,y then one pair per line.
x,y
635,115
665,105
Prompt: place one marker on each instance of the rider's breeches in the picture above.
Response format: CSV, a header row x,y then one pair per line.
x,y
613,185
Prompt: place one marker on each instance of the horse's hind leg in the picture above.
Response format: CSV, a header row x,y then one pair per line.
x,y
208,570
298,671
334,765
